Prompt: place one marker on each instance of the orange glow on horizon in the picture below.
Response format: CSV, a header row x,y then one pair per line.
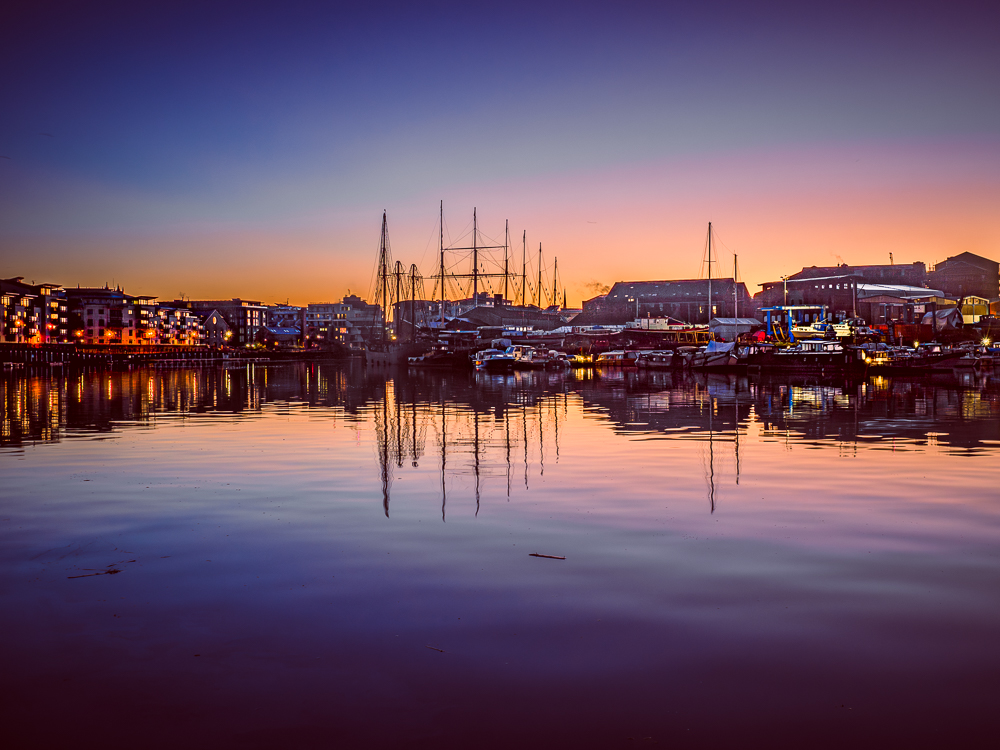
x,y
780,211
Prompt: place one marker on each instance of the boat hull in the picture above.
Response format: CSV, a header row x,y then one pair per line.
x,y
807,362
393,355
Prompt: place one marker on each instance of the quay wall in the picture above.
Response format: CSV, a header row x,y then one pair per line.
x,y
95,356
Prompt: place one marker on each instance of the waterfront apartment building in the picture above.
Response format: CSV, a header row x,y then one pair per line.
x,y
284,316
244,317
215,331
33,313
107,316
179,326
324,321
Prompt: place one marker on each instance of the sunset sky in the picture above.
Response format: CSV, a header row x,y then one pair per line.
x,y
249,149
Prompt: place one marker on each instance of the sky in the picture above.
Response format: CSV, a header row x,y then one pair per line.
x,y
249,149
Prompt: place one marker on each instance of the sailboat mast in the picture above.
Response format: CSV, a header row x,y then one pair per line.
x,y
442,261
397,308
475,261
413,302
709,271
555,271
524,267
539,275
383,273
506,266
736,299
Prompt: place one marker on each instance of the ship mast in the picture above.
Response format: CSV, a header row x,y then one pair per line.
x,y
413,302
524,267
506,266
709,272
442,262
475,262
399,273
555,291
736,299
383,274
539,275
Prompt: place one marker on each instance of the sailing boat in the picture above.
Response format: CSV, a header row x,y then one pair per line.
x,y
381,349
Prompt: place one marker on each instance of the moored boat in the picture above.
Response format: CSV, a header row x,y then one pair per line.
x,y
819,356
717,355
656,360
617,358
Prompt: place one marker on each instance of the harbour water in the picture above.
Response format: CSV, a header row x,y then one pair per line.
x,y
323,556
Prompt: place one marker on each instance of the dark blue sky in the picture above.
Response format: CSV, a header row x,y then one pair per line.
x,y
228,118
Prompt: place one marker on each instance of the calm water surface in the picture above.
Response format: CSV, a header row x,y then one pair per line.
x,y
317,557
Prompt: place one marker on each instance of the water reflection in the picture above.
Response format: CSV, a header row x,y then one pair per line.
x,y
472,416
492,429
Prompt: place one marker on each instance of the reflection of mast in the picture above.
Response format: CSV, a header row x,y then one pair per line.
x,y
475,453
541,442
399,428
506,428
555,416
444,454
524,426
711,455
737,397
383,454
413,403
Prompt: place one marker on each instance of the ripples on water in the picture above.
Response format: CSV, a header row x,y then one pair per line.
x,y
324,556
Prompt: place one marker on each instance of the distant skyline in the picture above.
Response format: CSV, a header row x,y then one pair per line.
x,y
218,150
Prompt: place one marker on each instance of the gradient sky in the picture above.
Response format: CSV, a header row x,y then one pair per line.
x,y
249,149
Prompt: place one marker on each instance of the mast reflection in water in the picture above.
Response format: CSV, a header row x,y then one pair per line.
x,y
301,551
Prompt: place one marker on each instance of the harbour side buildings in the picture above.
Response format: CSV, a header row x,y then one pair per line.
x,y
686,300
33,313
245,318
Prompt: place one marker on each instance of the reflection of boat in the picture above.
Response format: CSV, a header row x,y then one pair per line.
x,y
619,358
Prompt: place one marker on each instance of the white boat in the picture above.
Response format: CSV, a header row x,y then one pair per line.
x,y
656,360
617,358
717,354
